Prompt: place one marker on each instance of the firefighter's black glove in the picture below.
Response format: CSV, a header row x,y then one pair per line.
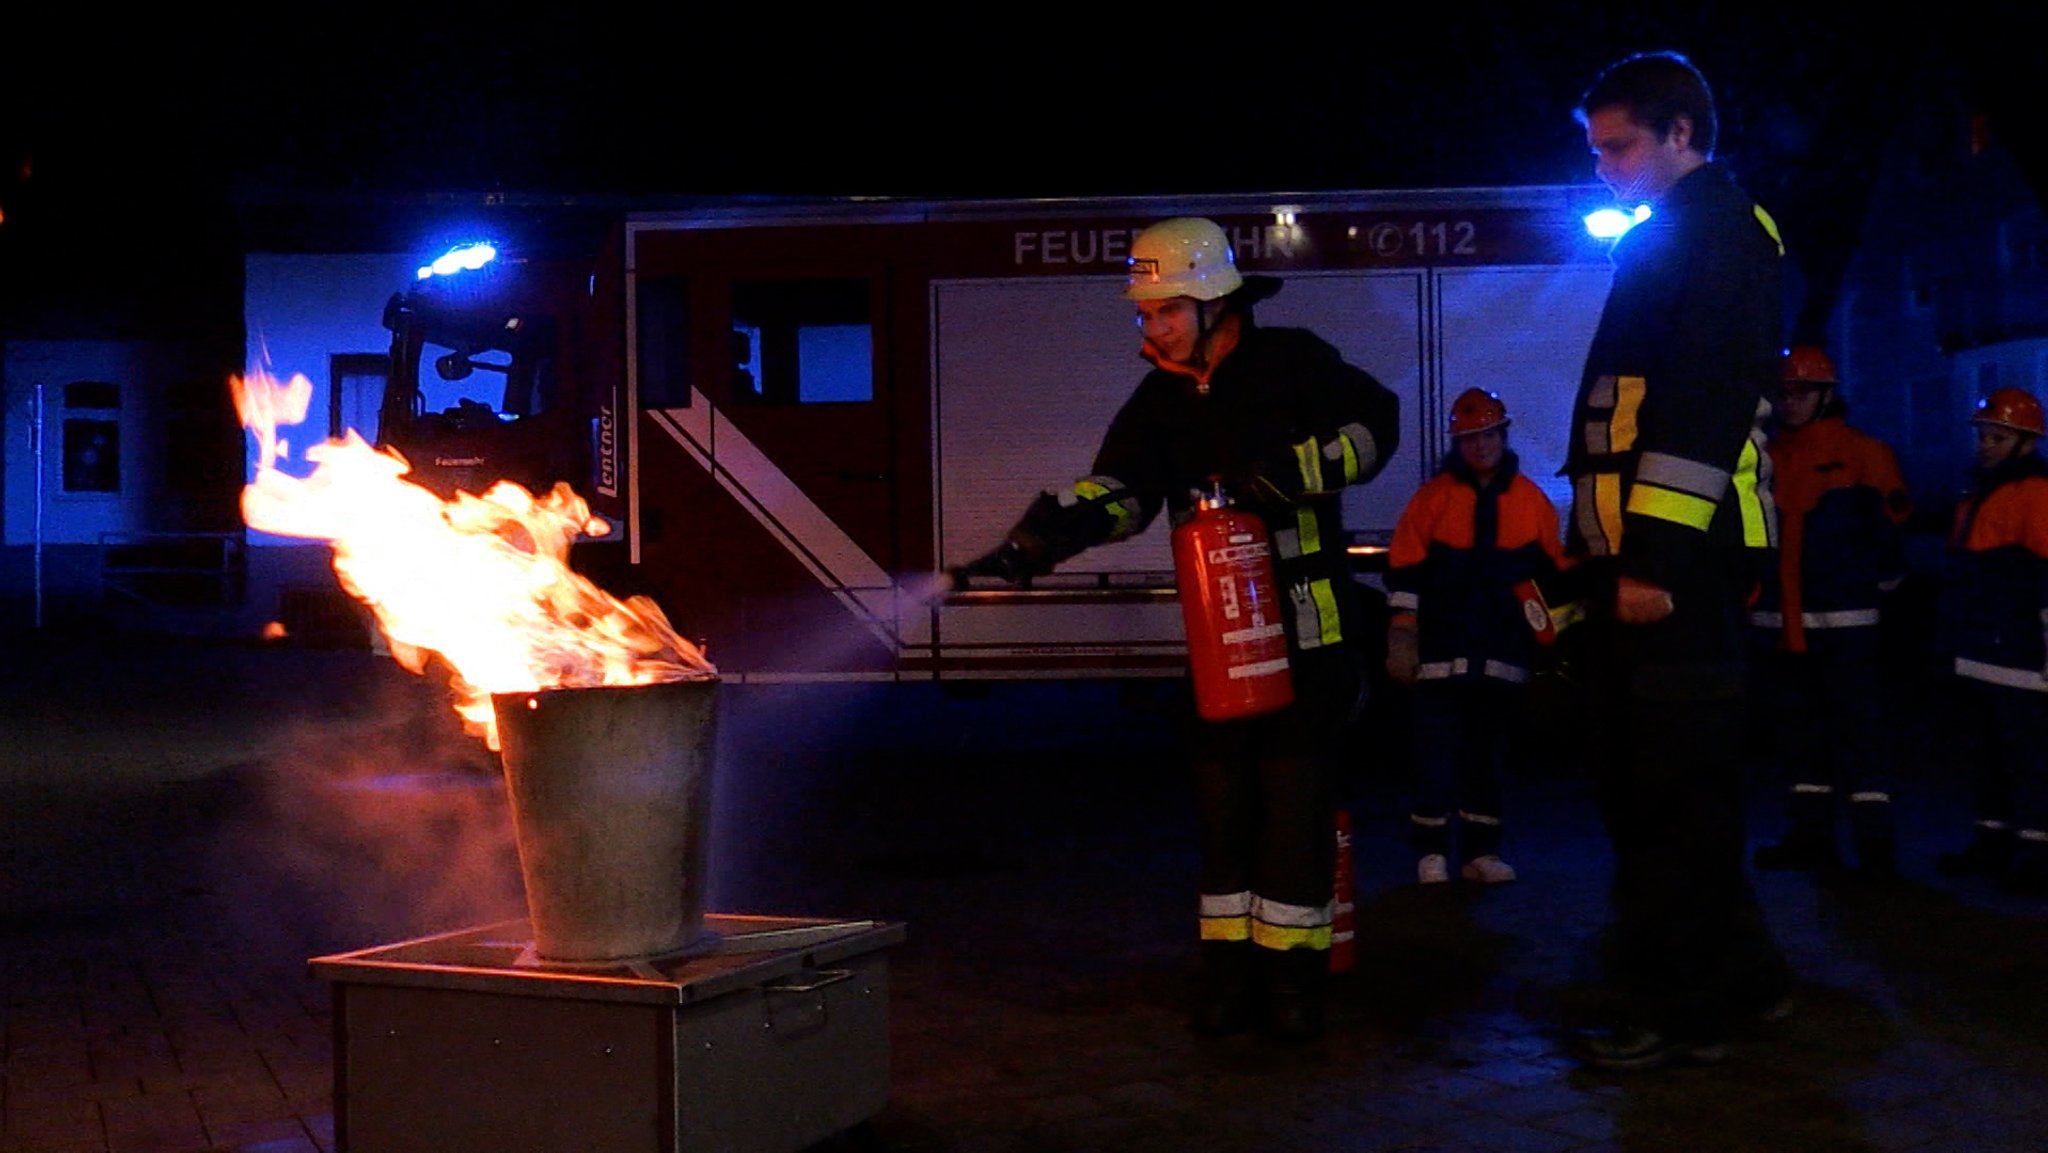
x,y
1015,561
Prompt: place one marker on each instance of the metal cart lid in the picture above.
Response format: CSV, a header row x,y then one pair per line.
x,y
736,951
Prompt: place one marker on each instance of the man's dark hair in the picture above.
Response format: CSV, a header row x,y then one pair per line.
x,y
1656,88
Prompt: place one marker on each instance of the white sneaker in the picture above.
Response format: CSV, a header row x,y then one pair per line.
x,y
1432,870
1488,870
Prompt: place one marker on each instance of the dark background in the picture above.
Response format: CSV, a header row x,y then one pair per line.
x,y
129,141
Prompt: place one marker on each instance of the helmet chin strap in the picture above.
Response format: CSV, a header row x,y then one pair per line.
x,y
1209,316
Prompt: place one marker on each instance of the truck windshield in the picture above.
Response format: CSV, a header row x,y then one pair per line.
x,y
468,367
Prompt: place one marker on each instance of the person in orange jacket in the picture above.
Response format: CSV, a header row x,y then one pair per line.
x,y
1842,509
1992,622
1468,627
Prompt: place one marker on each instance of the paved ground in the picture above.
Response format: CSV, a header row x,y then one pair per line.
x,y
186,825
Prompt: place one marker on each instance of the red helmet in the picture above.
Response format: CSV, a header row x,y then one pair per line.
x,y
1477,410
2014,408
1804,362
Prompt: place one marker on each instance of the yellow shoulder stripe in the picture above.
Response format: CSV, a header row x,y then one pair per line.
x,y
1770,226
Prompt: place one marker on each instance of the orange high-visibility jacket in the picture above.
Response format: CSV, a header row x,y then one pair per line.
x,y
1841,510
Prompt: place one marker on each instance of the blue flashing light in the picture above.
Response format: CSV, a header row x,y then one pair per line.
x,y
1610,223
461,258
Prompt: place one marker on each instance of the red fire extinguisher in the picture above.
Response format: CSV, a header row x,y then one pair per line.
x,y
1231,604
1343,908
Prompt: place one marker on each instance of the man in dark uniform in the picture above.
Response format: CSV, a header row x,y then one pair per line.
x,y
1287,424
1671,522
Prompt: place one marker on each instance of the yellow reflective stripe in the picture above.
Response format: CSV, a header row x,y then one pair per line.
x,y
1310,462
1280,925
1307,530
1756,527
1226,916
1607,511
1628,401
1121,512
1326,610
1347,452
1770,226
1663,470
1226,928
1682,508
1283,938
1566,615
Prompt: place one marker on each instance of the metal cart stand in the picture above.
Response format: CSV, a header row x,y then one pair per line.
x,y
769,1035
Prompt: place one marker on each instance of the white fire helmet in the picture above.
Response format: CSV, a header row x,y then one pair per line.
x,y
1185,256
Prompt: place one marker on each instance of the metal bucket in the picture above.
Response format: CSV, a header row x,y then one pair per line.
x,y
610,791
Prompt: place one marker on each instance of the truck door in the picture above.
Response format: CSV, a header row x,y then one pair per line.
x,y
768,480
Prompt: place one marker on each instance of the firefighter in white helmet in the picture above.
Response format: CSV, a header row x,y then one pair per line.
x,y
1992,621
1287,424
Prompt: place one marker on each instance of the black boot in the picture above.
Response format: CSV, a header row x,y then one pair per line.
x,y
1809,845
1987,854
1801,851
1877,859
2027,875
1225,1001
1295,982
1871,831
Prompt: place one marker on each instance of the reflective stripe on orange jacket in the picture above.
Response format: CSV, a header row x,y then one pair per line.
x,y
1841,510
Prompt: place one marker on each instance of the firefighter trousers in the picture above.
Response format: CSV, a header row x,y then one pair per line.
x,y
1830,739
1690,947
2001,730
1460,739
1266,801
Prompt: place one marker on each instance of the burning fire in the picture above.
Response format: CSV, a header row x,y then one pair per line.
x,y
484,582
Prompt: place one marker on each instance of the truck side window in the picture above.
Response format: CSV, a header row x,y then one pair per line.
x,y
802,342
661,331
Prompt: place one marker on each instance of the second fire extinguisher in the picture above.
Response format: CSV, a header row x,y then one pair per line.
x,y
1232,606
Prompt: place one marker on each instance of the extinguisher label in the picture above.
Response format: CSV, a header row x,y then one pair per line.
x,y
1250,635
1258,669
1238,554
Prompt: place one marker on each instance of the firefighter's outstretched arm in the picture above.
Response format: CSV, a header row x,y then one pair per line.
x,y
1053,528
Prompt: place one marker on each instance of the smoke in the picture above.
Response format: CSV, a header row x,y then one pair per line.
x,y
361,830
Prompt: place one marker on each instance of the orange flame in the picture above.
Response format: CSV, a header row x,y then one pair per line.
x,y
483,582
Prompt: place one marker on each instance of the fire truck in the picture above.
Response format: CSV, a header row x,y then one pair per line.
x,y
798,417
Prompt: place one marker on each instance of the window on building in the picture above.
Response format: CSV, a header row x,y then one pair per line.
x,y
92,455
91,440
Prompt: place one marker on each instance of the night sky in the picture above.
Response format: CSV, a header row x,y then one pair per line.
x,y
129,133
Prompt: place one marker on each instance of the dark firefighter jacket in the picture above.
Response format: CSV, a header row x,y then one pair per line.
x,y
1842,507
1458,553
1993,605
1666,455
1288,424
